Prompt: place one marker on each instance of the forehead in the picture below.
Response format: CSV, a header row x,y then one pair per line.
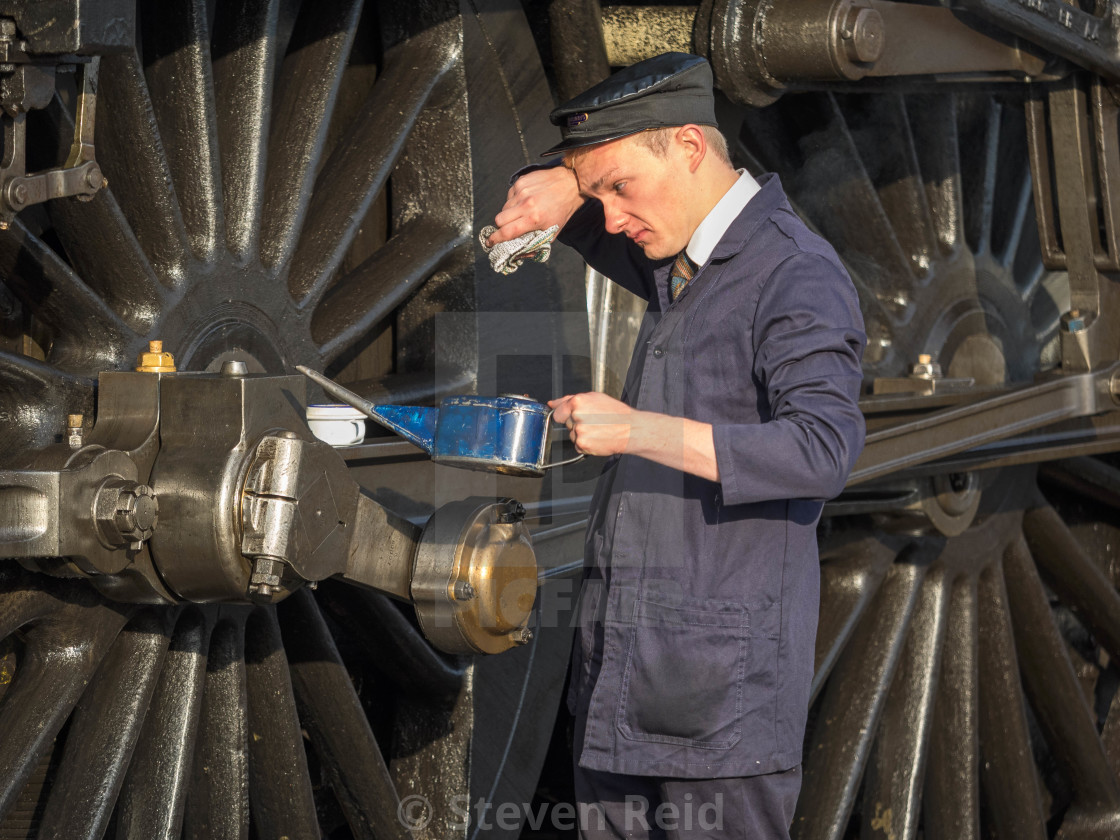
x,y
603,160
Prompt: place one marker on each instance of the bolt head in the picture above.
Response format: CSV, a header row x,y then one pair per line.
x,y
463,590
863,34
233,367
521,636
513,511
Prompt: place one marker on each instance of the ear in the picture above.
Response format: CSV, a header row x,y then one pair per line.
x,y
693,145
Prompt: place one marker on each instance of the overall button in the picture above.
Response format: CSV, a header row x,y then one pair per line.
x,y
658,352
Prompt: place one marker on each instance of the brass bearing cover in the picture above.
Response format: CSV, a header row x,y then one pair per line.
x,y
474,580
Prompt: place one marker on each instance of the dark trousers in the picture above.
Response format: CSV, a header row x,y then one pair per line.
x,y
613,806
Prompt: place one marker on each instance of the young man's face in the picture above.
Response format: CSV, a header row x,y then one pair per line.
x,y
644,196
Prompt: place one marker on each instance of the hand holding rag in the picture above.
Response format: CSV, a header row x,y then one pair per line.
x,y
506,257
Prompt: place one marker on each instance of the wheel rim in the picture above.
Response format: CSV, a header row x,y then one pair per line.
x,y
943,662
321,149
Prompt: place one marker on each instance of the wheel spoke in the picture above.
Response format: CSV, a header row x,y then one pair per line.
x,y
86,332
279,784
896,176
892,795
104,252
60,657
245,49
153,797
952,789
1030,280
833,175
933,117
1070,572
99,745
852,702
218,800
979,124
308,90
771,140
176,40
103,249
1090,477
1110,736
1017,221
332,713
129,145
1053,689
392,643
1012,193
848,585
1007,768
358,170
369,293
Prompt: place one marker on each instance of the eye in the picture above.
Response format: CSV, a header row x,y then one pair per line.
x,y
619,186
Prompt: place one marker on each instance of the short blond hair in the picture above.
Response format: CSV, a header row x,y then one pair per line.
x,y
657,141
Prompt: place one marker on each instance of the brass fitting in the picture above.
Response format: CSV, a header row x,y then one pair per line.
x,y
155,360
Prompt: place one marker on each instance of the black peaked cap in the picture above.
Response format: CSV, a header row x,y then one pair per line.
x,y
666,90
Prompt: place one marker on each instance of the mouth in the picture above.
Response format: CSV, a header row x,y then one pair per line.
x,y
639,237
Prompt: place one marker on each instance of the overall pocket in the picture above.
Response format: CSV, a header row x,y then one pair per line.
x,y
684,674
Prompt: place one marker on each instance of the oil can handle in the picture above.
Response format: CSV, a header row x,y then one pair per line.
x,y
579,457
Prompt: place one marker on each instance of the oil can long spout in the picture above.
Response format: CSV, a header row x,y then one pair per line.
x,y
415,424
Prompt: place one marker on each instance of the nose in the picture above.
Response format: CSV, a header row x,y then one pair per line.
x,y
615,220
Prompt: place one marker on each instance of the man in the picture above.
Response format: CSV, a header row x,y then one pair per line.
x,y
691,670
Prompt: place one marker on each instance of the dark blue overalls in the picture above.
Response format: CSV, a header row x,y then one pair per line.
x,y
692,665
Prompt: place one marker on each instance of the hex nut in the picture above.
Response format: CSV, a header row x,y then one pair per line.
x,y
925,368
126,512
1074,321
521,636
137,513
514,511
266,576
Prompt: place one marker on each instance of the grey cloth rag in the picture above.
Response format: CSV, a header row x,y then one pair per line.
x,y
506,257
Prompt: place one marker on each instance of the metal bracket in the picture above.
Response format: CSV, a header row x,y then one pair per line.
x,y
1075,169
975,424
31,86
1087,39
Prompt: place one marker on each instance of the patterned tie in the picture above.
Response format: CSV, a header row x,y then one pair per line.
x,y
683,269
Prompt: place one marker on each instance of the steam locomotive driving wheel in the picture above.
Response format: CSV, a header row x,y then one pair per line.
x,y
287,183
966,683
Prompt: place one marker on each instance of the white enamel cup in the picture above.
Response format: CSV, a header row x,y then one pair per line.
x,y
338,425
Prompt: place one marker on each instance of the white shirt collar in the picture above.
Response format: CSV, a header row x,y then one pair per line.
x,y
711,230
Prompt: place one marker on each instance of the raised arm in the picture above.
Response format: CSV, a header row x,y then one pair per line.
x,y
538,200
